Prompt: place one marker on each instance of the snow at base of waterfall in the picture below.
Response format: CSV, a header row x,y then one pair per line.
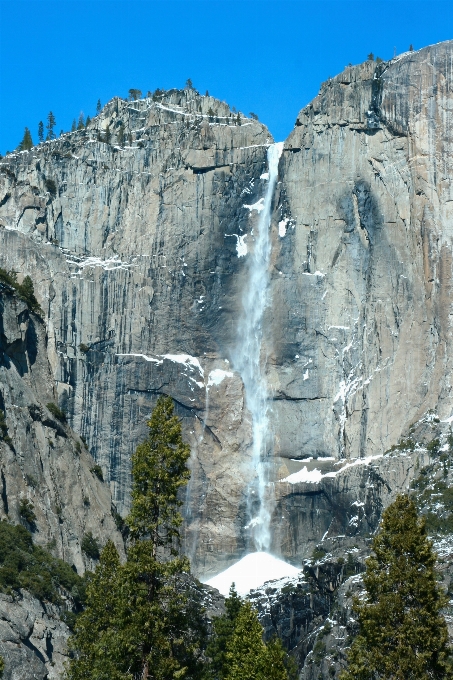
x,y
251,572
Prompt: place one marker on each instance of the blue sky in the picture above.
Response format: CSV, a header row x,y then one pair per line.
x,y
266,56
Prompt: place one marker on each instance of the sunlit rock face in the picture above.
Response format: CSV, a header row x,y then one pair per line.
x,y
140,255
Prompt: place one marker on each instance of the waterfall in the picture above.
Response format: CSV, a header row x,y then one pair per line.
x,y
249,362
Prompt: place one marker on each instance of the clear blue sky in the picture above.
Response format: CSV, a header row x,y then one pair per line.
x,y
266,56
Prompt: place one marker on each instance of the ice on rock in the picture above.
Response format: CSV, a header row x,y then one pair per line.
x,y
251,572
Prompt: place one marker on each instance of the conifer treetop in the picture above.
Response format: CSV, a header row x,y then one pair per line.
x,y
402,634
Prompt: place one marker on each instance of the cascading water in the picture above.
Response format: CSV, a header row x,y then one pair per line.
x,y
248,361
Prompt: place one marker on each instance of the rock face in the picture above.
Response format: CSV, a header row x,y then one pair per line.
x,y
361,330
32,639
42,460
138,253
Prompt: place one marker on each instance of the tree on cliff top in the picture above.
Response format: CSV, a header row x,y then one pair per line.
x,y
27,142
402,634
139,621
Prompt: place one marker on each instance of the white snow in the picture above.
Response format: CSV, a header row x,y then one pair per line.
x,y
282,227
111,264
305,475
186,359
258,206
251,572
241,246
217,376
315,476
265,175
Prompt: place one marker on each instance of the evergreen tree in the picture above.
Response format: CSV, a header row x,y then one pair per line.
x,y
189,84
98,107
236,650
139,622
411,48
88,121
81,123
371,56
248,657
50,125
74,126
27,142
134,94
2,666
107,135
223,629
41,131
402,634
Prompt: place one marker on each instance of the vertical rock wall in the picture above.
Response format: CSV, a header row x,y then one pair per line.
x,y
139,258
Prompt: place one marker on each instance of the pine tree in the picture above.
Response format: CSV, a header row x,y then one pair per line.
x,y
402,634
189,84
236,650
50,125
41,131
223,629
81,123
371,56
134,94
98,107
27,142
139,622
96,640
74,125
107,135
88,121
246,653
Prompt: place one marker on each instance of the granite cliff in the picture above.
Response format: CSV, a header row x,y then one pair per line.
x,y
140,251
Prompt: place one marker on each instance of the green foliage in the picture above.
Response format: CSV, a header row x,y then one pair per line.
x,y
98,107
90,546
2,666
253,116
84,348
223,629
81,123
26,511
74,125
236,649
318,553
248,656
51,187
24,565
27,142
159,469
4,436
433,447
50,125
134,94
88,121
56,412
97,470
41,131
27,294
139,621
402,633
107,135
370,57
403,445
25,289
189,84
